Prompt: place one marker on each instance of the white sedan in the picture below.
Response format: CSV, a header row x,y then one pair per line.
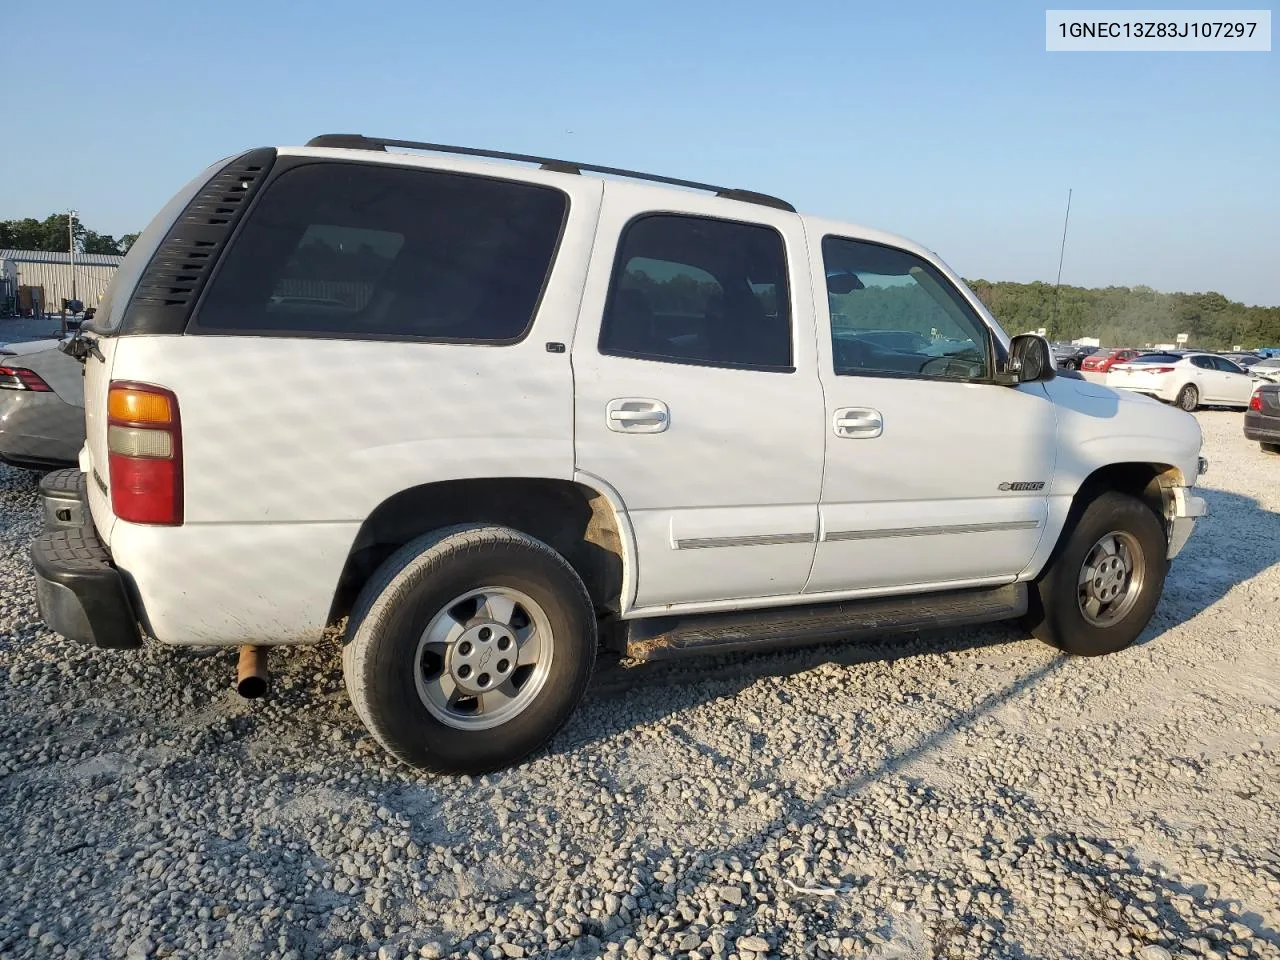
x,y
1266,369
1189,380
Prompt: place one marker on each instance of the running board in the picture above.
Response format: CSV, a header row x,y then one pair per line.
x,y
659,638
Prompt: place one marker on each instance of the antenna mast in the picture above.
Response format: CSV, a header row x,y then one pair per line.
x,y
1061,253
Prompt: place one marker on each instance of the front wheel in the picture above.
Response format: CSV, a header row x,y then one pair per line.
x,y
1270,447
469,648
1189,398
1100,590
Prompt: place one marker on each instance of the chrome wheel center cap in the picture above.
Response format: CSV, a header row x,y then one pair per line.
x,y
483,657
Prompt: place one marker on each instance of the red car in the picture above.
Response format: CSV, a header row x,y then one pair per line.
x,y
1103,360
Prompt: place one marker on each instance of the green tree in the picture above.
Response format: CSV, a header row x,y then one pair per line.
x,y
1130,316
50,234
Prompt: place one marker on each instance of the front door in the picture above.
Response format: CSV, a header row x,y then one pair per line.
x,y
935,475
696,394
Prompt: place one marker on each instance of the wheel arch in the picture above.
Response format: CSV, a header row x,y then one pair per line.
x,y
582,521
1150,482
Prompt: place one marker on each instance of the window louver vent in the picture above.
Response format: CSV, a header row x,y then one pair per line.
x,y
168,288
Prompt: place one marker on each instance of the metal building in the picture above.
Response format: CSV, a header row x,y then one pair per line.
x,y
53,272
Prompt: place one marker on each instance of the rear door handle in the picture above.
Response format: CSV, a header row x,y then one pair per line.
x,y
637,415
857,423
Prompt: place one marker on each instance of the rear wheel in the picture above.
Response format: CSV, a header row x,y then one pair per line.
x,y
469,648
1270,447
1100,590
1189,398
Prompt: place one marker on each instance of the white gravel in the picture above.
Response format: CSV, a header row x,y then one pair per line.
x,y
965,795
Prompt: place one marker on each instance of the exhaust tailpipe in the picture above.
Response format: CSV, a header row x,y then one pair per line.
x,y
252,678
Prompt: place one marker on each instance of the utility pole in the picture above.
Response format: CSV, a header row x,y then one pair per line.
x,y
71,245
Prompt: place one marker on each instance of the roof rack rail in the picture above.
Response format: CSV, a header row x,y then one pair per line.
x,y
355,141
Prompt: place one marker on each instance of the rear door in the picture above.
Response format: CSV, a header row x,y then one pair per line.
x,y
697,398
1207,378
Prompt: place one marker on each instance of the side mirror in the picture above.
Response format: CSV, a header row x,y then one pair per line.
x,y
842,282
1030,361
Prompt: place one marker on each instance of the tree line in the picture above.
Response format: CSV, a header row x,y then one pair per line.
x,y
1129,316
50,235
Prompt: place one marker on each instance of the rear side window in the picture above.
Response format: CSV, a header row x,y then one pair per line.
x,y
702,291
364,251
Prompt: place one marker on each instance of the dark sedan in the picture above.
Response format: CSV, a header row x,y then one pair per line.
x,y
1262,419
1069,356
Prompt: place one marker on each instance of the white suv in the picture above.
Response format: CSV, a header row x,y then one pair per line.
x,y
497,412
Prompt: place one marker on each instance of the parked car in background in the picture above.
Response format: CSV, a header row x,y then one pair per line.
x,y
1262,419
1068,356
1268,369
1246,360
1190,380
41,406
1103,360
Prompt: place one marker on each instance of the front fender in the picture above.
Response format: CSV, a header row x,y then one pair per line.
x,y
1099,427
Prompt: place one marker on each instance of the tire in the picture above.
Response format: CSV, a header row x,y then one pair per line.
x,y
1272,448
1057,613
1189,398
457,583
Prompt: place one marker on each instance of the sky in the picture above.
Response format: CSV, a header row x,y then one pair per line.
x,y
947,123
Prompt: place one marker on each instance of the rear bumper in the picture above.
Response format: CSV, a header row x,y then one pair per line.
x,y
1187,508
80,593
1261,427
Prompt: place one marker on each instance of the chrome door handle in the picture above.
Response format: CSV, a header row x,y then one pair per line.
x,y
857,423
637,415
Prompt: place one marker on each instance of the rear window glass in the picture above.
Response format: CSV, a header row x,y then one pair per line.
x,y
346,250
1157,358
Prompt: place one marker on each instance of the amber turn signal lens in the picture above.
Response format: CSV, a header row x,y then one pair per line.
x,y
138,406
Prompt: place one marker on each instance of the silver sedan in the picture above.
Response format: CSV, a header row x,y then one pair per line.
x,y
41,405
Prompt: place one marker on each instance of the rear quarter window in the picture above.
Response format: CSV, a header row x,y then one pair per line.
x,y
357,251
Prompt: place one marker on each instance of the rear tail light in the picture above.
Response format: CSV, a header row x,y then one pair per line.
x,y
20,378
1156,370
144,453
1255,401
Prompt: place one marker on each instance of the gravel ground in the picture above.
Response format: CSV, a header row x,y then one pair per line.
x,y
962,795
